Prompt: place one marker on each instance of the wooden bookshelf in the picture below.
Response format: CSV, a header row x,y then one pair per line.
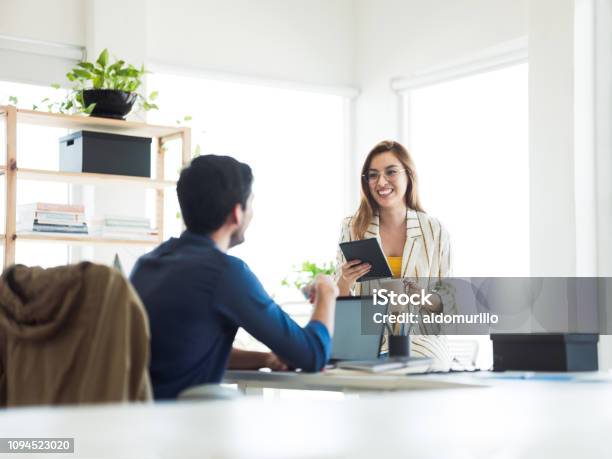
x,y
86,178
161,135
92,123
78,239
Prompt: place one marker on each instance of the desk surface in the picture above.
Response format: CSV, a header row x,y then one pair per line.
x,y
510,420
341,380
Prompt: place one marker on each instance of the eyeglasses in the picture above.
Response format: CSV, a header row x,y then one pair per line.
x,y
372,176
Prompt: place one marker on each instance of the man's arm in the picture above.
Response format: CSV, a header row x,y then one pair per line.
x,y
252,360
242,299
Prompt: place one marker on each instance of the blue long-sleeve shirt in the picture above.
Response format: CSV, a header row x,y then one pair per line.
x,y
196,297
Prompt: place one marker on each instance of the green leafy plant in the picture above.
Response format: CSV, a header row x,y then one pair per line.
x,y
185,119
8,100
101,74
304,275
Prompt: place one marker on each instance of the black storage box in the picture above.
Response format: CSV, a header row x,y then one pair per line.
x,y
98,152
545,352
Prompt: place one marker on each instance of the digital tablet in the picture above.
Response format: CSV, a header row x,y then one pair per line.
x,y
368,251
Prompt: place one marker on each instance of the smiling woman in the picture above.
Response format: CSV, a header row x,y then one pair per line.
x,y
416,245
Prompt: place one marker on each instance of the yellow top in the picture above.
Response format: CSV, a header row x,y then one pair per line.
x,y
395,263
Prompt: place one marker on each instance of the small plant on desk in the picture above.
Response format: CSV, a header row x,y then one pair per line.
x,y
301,278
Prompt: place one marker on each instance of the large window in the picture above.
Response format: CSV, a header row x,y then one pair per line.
x,y
469,140
294,142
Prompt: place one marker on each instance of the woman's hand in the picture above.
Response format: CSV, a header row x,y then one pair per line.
x,y
412,287
349,273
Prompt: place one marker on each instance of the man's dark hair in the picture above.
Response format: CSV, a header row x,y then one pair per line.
x,y
209,188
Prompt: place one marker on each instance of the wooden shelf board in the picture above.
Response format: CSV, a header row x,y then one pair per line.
x,y
92,123
78,239
91,179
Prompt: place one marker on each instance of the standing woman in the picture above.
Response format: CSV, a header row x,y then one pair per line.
x,y
416,245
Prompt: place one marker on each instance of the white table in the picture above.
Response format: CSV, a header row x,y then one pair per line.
x,y
512,419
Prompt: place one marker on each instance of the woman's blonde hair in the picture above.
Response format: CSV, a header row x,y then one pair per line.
x,y
368,206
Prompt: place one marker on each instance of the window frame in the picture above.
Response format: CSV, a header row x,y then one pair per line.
x,y
507,54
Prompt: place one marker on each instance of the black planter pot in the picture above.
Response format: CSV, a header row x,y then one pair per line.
x,y
110,103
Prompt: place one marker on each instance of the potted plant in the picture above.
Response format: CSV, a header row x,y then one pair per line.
x,y
106,89
301,278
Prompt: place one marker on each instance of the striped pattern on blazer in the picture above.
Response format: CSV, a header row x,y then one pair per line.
x,y
426,258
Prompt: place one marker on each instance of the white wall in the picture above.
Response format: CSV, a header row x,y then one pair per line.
x,y
307,41
304,41
551,138
603,133
59,21
117,25
396,38
25,23
603,160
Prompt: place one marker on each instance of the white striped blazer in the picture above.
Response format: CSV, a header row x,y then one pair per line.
x,y
426,258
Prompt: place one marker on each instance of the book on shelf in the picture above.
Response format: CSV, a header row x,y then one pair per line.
x,y
127,229
113,220
39,228
132,228
51,219
43,217
113,224
51,207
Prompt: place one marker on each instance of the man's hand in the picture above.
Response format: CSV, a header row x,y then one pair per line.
x,y
272,362
325,287
252,360
326,292
322,285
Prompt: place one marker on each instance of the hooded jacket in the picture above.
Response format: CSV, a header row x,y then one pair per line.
x,y
71,334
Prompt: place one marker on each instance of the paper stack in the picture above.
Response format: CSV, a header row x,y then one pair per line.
x,y
52,218
137,228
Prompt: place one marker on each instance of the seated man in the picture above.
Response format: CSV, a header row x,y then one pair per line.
x,y
197,296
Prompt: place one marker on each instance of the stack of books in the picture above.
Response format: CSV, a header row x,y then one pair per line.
x,y
52,218
133,228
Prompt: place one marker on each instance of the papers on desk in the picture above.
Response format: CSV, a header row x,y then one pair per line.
x,y
403,365
395,368
396,372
